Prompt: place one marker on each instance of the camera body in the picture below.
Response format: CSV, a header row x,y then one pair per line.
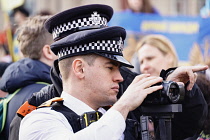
x,y
171,93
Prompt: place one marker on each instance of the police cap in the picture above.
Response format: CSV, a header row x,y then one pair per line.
x,y
88,34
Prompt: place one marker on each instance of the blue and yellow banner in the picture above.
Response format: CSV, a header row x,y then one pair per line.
x,y
183,31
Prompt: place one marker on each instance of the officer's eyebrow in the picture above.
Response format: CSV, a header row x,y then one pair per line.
x,y
117,64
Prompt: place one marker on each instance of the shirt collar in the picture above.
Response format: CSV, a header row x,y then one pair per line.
x,y
76,105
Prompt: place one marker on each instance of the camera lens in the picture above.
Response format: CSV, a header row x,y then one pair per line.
x,y
169,94
173,92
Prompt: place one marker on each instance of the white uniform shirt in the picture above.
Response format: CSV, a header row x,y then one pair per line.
x,y
47,124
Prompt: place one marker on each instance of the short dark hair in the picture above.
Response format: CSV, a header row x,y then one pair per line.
x,y
20,9
65,64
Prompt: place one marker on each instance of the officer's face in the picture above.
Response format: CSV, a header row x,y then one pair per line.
x,y
152,60
102,81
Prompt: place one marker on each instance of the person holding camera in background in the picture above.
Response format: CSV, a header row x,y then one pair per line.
x,y
91,64
156,52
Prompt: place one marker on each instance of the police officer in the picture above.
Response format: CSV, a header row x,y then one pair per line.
x,y
89,62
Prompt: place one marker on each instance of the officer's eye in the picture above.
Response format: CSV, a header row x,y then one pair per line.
x,y
111,68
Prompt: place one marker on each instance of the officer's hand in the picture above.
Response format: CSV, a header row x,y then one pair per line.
x,y
185,74
137,92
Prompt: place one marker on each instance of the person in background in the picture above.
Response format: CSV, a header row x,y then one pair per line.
x,y
31,73
89,57
4,49
140,6
156,52
151,50
19,15
3,66
134,12
204,85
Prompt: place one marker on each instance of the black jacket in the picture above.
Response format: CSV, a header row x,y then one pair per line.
x,y
184,125
22,74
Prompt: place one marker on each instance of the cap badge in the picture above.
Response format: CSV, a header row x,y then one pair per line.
x,y
120,43
95,18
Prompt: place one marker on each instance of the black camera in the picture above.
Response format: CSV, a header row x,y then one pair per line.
x,y
171,93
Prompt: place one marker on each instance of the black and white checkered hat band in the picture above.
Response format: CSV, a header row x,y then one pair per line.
x,y
106,46
85,22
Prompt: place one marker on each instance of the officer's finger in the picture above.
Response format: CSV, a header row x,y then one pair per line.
x,y
150,81
192,79
140,77
146,79
153,89
199,68
196,76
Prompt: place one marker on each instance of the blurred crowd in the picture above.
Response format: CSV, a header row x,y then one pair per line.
x,y
21,48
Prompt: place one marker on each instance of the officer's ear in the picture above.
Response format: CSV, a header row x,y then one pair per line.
x,y
77,67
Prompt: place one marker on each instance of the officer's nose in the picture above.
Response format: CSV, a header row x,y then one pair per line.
x,y
118,77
